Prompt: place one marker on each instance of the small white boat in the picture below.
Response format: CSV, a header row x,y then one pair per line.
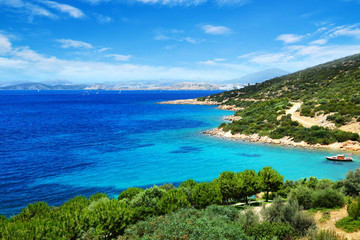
x,y
341,158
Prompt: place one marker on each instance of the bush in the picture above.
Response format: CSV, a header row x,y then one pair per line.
x,y
212,223
172,201
129,193
302,195
327,198
324,235
205,194
269,231
348,224
353,208
107,218
352,182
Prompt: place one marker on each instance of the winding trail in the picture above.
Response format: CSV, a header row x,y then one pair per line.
x,y
295,116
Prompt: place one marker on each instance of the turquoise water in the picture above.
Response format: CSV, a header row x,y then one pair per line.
x,y
55,146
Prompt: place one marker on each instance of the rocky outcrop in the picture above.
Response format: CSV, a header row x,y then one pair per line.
x,y
346,146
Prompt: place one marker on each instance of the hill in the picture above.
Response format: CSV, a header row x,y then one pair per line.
x,y
258,77
328,95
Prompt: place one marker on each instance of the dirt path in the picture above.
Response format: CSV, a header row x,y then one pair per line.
x,y
295,116
330,224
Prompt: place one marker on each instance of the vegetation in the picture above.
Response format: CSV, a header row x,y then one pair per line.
x,y
329,89
192,211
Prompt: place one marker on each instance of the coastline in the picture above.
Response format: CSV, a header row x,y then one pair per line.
x,y
353,146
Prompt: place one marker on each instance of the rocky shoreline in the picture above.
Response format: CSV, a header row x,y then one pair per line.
x,y
345,146
285,141
197,102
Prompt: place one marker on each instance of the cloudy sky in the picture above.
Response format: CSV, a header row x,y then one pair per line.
x,y
198,40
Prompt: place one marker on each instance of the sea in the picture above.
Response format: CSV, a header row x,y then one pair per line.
x,y
55,145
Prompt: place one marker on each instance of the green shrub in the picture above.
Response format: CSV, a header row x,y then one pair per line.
x,y
324,235
352,182
353,208
172,201
129,193
327,198
107,217
205,194
190,223
302,195
348,224
269,231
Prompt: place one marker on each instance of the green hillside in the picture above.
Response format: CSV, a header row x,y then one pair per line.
x,y
331,89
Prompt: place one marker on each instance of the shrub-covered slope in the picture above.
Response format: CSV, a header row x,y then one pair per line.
x,y
331,90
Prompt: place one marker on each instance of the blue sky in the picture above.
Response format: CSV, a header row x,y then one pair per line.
x,y
201,40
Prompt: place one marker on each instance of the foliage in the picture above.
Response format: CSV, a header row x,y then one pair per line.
x,y
205,194
107,217
250,183
228,183
130,193
269,231
188,224
324,235
348,224
270,180
327,198
353,208
172,201
288,213
330,89
187,187
352,182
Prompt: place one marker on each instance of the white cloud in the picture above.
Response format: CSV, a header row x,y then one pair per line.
x,y
188,3
215,61
216,30
289,38
68,43
5,44
23,62
27,7
351,31
174,2
119,57
319,42
102,18
72,11
175,35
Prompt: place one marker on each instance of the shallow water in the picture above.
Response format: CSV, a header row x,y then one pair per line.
x,y
55,145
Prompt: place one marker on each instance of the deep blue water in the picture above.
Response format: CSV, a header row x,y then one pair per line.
x,y
55,145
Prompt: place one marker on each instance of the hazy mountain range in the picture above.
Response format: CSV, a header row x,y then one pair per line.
x,y
253,78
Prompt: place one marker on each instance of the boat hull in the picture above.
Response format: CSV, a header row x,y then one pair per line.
x,y
340,160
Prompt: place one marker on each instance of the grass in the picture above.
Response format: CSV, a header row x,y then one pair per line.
x,y
348,224
315,210
325,217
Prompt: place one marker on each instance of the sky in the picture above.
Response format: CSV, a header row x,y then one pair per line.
x,y
96,41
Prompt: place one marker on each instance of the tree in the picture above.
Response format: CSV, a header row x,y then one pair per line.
x,y
172,201
250,183
107,218
270,180
130,193
205,194
352,182
187,187
228,185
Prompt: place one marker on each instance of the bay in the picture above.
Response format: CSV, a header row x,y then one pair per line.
x,y
55,145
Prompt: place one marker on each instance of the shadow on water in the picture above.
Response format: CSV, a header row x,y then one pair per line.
x,y
187,149
249,155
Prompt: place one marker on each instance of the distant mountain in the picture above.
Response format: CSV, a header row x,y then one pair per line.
x,y
56,82
41,86
258,77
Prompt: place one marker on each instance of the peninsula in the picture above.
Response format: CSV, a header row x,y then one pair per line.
x,y
316,107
